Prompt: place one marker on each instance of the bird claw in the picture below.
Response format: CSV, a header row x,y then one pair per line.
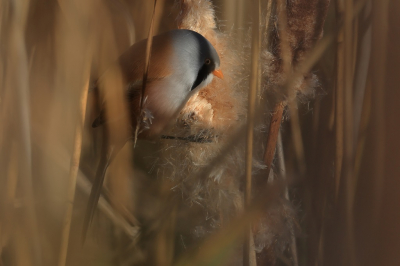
x,y
147,119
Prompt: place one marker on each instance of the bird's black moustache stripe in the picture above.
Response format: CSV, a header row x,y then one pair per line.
x,y
204,71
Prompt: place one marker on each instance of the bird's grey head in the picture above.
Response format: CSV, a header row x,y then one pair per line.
x,y
199,59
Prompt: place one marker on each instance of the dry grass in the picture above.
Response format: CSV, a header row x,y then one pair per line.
x,y
316,177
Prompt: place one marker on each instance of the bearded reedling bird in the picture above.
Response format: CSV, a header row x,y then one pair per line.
x,y
182,62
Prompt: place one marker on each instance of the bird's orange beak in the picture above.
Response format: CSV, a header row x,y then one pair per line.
x,y
218,73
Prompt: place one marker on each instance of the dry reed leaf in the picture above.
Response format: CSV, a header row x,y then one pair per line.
x,y
146,70
273,134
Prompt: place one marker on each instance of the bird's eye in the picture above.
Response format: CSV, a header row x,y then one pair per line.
x,y
208,61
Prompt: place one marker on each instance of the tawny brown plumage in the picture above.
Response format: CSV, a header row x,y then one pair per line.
x,y
182,62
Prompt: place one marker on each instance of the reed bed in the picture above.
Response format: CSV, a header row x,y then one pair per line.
x,y
292,159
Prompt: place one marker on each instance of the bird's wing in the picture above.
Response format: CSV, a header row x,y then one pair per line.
x,y
133,94
131,64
